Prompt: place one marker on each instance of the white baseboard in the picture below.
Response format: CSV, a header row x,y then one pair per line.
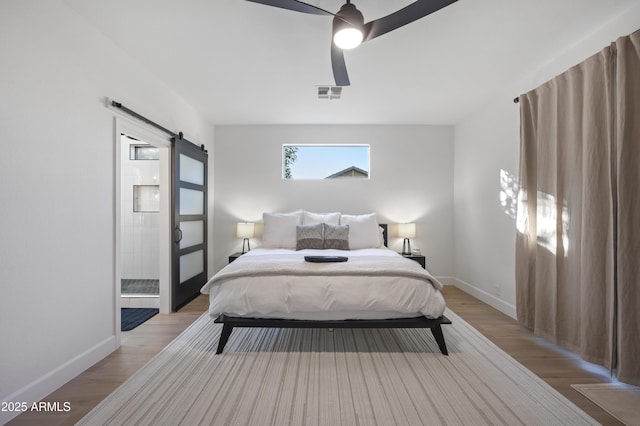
x,y
488,298
43,386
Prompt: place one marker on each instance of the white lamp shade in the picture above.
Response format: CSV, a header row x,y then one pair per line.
x,y
245,230
406,230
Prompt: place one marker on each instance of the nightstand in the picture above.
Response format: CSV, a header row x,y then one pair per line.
x,y
418,258
234,256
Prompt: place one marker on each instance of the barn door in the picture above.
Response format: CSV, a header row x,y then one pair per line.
x,y
189,221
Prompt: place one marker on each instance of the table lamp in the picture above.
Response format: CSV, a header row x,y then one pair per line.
x,y
406,231
245,230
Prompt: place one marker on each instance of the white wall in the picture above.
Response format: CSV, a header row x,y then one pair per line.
x,y
488,142
57,307
411,181
484,235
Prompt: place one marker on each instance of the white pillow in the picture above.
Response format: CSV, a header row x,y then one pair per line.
x,y
309,218
363,230
280,229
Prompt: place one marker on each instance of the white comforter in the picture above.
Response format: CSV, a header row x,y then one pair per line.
x,y
278,283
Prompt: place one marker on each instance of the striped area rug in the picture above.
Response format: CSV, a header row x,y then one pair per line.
x,y
344,377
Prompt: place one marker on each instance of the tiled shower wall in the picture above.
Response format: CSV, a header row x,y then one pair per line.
x,y
140,230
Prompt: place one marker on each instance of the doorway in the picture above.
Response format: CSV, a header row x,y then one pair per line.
x,y
139,223
142,218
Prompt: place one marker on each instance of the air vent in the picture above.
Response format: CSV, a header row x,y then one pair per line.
x,y
329,92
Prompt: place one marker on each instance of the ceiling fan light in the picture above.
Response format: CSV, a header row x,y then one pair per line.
x,y
347,27
348,38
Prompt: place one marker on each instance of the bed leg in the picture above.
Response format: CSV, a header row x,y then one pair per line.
x,y
437,334
224,336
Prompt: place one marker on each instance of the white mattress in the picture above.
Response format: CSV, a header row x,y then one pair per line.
x,y
307,294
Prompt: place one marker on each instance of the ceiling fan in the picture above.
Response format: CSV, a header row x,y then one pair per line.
x,y
349,29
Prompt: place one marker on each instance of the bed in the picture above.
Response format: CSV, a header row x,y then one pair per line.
x,y
277,286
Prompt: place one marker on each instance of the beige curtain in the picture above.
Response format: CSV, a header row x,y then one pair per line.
x,y
628,207
577,247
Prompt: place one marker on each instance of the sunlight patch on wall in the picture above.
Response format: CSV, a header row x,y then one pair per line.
x,y
509,189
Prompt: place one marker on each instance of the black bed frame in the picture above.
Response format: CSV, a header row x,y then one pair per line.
x,y
230,322
419,322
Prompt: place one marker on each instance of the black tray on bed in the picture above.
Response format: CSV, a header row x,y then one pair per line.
x,y
325,259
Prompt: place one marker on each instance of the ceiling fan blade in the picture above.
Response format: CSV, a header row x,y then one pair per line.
x,y
295,5
416,10
339,67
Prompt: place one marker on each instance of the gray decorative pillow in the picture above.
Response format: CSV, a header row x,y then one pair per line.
x,y
309,237
336,237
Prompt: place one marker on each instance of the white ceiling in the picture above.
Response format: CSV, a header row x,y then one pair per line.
x,y
240,62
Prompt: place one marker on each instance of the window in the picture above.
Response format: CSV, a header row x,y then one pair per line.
x,y
143,152
325,161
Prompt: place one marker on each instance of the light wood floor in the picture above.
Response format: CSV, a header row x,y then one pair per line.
x,y
555,366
